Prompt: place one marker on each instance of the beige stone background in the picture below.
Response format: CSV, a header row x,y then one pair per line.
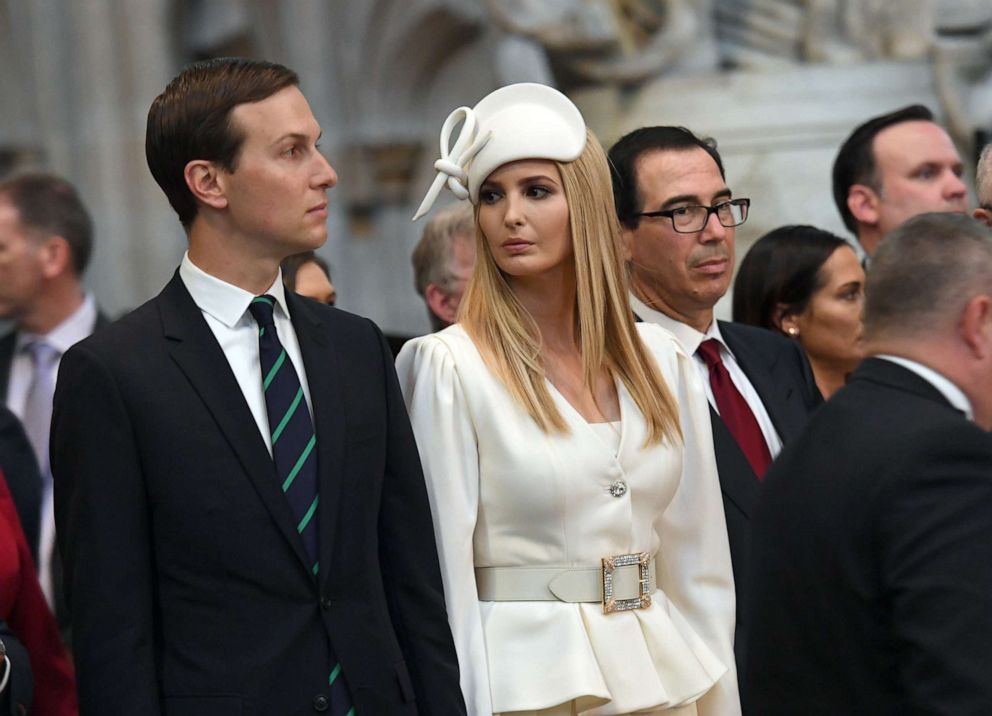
x,y
779,84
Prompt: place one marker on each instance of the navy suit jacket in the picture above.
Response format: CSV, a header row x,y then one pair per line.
x,y
872,569
17,458
189,586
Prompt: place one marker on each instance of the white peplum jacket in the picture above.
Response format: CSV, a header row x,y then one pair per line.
x,y
504,493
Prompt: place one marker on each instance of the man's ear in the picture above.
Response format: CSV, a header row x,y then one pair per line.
x,y
976,326
863,202
440,303
983,215
55,256
627,242
204,182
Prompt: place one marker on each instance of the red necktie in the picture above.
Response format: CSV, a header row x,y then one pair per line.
x,y
734,410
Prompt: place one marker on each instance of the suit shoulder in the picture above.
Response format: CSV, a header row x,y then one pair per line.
x,y
124,336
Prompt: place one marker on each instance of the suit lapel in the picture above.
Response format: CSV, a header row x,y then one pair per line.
x,y
780,398
197,353
320,361
737,479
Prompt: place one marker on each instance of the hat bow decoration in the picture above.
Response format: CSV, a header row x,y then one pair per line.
x,y
451,166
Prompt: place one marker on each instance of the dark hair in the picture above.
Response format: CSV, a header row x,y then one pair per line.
x,y
291,266
781,268
923,274
624,155
191,120
49,205
855,162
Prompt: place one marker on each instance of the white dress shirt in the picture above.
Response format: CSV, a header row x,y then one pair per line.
x,y
225,309
73,329
690,339
953,394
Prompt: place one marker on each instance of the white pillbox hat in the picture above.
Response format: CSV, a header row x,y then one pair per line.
x,y
521,121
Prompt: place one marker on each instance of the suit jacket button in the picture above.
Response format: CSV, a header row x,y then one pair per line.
x,y
325,602
320,703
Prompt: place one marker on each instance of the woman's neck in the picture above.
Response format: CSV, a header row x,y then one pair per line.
x,y
550,301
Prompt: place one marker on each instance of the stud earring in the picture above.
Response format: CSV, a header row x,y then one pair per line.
x,y
792,331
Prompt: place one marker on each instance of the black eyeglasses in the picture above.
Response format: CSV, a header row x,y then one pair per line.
x,y
690,219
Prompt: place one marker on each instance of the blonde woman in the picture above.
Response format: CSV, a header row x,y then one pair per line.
x,y
567,450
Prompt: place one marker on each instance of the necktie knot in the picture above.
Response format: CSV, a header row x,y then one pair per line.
x,y
709,351
42,354
261,308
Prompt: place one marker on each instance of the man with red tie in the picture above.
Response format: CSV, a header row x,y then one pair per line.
x,y
678,218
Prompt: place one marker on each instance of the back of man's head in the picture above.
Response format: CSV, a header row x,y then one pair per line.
x,y
191,120
923,275
48,205
624,155
433,257
855,162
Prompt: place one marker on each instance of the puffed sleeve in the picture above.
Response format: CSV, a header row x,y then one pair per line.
x,y
694,567
448,447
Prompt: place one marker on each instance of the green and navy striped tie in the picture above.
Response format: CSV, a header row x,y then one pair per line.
x,y
294,451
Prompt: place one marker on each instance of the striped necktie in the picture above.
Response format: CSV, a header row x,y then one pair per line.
x,y
294,451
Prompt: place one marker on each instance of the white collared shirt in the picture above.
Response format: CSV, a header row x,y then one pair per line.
x,y
73,329
953,394
690,339
225,309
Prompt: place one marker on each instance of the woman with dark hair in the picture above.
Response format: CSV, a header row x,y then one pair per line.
x,y
808,284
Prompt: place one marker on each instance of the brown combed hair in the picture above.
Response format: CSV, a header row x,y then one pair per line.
x,y
191,119
508,336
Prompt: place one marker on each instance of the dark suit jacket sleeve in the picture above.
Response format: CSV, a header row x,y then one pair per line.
x,y
936,537
17,694
411,575
102,520
20,467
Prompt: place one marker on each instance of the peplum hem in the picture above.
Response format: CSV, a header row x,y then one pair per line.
x,y
542,654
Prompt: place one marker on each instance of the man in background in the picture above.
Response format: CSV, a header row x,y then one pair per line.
x,y
46,238
443,261
894,167
872,573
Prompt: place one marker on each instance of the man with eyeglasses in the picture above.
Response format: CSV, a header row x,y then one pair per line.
x,y
678,218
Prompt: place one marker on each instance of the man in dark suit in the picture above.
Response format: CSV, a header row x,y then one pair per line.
x,y
872,572
678,215
239,496
46,239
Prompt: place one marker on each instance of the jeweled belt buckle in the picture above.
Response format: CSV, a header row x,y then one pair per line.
x,y
610,565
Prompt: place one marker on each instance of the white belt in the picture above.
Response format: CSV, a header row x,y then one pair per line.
x,y
622,582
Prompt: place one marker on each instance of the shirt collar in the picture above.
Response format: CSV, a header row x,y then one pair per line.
x,y
953,394
72,330
688,336
224,301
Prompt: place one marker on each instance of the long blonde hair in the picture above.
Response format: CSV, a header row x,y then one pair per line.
x,y
509,339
